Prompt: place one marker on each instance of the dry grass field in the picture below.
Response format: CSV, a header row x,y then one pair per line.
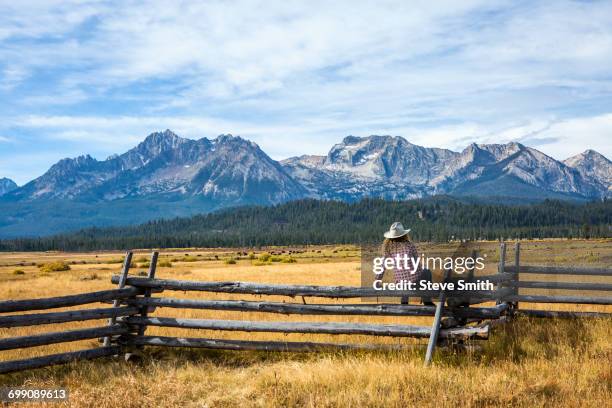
x,y
528,362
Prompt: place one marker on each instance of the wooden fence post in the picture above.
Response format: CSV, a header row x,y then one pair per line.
x,y
144,311
501,265
513,306
122,279
435,328
132,355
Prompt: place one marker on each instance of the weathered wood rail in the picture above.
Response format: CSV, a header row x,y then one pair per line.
x,y
21,320
133,301
64,317
282,346
335,292
308,327
517,282
66,301
377,309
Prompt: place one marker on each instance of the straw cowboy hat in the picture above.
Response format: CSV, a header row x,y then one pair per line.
x,y
396,231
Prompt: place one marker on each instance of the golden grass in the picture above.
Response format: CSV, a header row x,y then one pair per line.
x,y
526,363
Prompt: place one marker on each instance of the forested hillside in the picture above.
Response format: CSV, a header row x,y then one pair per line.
x,y
322,222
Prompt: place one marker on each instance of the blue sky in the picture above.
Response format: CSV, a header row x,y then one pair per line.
x,y
297,76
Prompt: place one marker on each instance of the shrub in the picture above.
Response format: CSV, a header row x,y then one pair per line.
x,y
288,259
165,264
276,258
252,255
261,263
18,272
56,266
230,261
142,273
189,258
264,257
144,265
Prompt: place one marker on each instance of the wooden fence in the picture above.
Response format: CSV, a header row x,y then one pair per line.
x,y
520,272
133,300
20,320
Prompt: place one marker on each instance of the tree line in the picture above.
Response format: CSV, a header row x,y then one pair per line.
x,y
307,222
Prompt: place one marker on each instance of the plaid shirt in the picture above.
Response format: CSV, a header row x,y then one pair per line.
x,y
400,248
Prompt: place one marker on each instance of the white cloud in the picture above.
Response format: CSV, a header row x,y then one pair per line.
x,y
298,76
563,138
11,77
248,47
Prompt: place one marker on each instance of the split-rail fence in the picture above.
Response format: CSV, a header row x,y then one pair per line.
x,y
135,297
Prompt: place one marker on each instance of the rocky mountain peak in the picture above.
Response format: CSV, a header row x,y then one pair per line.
x,y
6,185
502,151
232,141
593,165
588,157
592,153
71,164
227,137
151,147
158,142
356,151
387,157
350,139
308,160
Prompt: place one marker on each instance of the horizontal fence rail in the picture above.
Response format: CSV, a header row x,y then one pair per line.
x,y
63,317
318,309
9,306
296,290
558,270
586,300
60,337
55,359
561,314
497,278
292,346
562,285
309,327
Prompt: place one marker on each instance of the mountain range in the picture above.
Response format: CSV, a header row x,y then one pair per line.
x,y
166,176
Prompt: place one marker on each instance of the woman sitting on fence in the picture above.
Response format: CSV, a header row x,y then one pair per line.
x,y
397,242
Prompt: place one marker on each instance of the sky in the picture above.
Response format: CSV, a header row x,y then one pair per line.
x,y
296,77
